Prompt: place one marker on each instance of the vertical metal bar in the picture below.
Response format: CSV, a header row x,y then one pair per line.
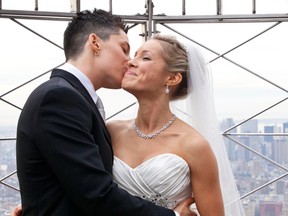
x,y
0,4
254,6
150,14
110,6
36,5
74,5
219,7
183,7
144,32
155,27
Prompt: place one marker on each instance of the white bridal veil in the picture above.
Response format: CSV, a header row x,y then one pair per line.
x,y
199,111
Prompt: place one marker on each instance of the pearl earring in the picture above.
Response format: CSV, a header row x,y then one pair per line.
x,y
167,89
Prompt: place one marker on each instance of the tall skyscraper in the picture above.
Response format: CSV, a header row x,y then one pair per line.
x,y
231,147
250,126
269,129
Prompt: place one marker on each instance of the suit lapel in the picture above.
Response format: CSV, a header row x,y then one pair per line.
x,y
80,88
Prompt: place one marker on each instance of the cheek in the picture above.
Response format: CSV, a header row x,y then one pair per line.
x,y
119,56
148,76
113,58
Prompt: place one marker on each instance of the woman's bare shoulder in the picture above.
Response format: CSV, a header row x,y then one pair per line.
x,y
195,149
192,142
118,125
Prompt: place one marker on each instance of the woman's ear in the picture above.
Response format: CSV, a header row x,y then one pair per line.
x,y
174,79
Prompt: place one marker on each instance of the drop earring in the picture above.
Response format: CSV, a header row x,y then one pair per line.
x,y
167,89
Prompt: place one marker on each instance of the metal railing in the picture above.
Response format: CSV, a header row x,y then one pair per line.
x,y
150,22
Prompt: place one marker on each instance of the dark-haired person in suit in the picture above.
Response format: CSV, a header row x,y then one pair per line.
x,y
64,154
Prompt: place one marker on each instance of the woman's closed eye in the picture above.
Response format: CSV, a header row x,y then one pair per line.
x,y
146,58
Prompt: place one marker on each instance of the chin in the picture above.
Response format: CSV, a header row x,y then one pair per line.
x,y
126,88
113,86
123,87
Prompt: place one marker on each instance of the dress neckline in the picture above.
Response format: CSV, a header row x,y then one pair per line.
x,y
151,159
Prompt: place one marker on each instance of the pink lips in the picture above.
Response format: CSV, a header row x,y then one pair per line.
x,y
129,72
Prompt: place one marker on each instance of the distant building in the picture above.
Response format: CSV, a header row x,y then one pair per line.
x,y
280,186
280,149
268,129
285,127
271,206
231,147
250,141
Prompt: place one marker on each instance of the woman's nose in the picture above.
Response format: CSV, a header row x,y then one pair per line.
x,y
130,63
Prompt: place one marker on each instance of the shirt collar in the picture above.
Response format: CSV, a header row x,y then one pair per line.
x,y
82,78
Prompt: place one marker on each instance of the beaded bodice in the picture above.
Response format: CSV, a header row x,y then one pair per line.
x,y
163,179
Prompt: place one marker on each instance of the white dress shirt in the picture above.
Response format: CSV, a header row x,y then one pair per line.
x,y
86,83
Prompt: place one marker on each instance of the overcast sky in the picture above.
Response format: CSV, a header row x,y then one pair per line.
x,y
238,93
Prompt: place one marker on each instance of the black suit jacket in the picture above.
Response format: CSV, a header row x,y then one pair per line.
x,y
64,156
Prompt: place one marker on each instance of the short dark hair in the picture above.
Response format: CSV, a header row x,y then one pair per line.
x,y
98,21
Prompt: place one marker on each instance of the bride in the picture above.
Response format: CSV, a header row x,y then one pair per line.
x,y
166,157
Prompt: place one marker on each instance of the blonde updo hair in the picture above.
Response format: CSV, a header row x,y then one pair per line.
x,y
176,58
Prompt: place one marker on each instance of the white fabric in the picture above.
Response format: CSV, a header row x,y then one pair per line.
x,y
163,179
176,213
198,110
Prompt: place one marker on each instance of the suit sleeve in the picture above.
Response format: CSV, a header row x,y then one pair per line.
x,y
63,131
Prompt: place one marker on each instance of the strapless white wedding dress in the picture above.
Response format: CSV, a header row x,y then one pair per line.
x,y
163,179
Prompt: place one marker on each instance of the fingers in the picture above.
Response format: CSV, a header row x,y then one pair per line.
x,y
16,211
183,208
187,202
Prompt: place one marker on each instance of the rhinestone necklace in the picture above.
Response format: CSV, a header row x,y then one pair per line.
x,y
153,135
